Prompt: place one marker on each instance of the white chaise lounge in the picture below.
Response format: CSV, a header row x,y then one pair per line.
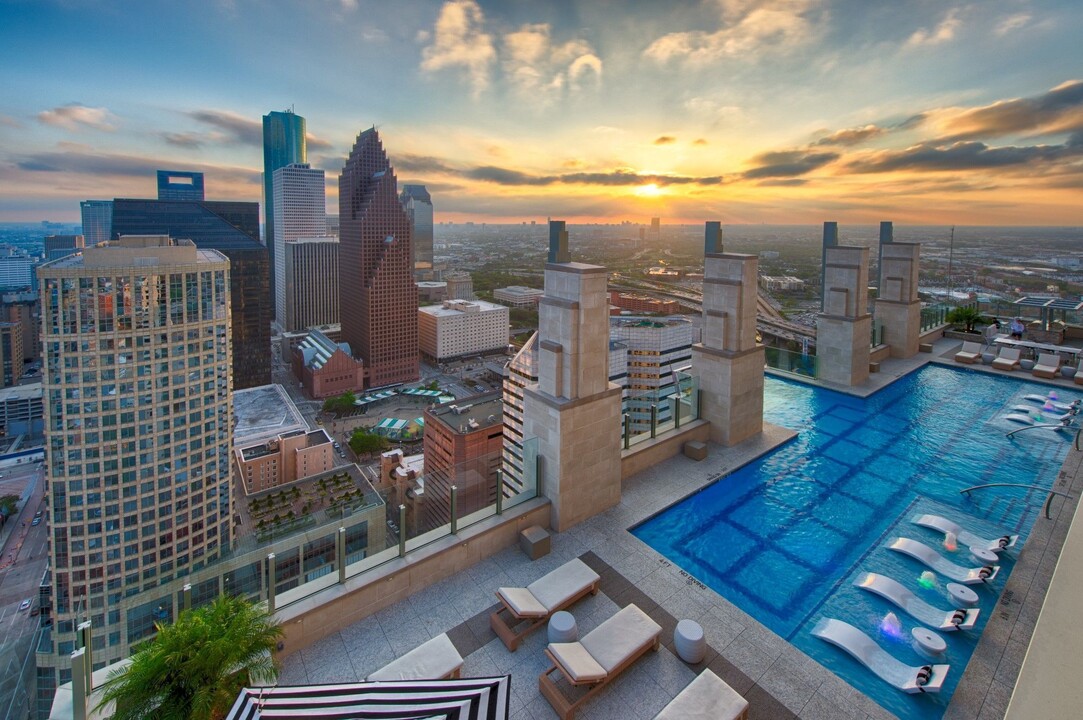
x,y
596,660
943,525
1007,359
707,697
1048,366
909,679
970,354
436,659
923,612
925,554
529,608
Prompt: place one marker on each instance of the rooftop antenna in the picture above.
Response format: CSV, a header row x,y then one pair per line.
x,y
951,257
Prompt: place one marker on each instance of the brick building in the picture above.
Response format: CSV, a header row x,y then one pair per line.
x,y
326,368
284,459
462,447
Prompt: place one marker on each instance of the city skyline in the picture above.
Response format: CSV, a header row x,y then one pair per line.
x,y
775,111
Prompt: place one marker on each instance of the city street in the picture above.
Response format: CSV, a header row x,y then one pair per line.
x,y
25,547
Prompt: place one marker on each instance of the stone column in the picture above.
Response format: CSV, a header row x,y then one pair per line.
x,y
573,409
843,329
897,306
728,361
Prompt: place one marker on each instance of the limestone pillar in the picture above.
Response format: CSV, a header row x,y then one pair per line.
x,y
843,329
573,409
897,307
728,361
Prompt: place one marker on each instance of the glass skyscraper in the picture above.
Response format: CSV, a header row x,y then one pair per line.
x,y
283,144
97,220
137,383
418,204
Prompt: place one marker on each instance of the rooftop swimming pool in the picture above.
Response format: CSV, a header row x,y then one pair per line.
x,y
785,537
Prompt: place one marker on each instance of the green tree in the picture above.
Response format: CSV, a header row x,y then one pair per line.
x,y
194,668
362,442
9,504
340,404
965,315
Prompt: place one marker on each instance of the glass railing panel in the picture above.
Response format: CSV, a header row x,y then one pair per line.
x,y
527,487
791,362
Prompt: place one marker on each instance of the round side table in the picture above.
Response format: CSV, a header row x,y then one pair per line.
x,y
689,642
563,628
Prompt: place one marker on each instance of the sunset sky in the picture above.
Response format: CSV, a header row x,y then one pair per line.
x,y
748,111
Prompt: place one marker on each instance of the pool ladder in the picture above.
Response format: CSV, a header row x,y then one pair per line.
x,y
1048,499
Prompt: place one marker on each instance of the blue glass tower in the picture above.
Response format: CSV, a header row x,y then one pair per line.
x,y
283,144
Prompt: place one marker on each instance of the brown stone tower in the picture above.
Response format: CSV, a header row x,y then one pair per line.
x,y
377,293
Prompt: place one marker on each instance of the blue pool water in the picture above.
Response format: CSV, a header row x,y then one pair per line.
x,y
785,537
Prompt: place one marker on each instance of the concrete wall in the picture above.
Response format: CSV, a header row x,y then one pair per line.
x,y
649,453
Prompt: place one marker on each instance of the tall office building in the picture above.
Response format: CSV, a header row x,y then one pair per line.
x,y
311,287
16,271
418,204
97,220
58,246
11,353
379,297
137,375
233,229
300,212
283,144
180,185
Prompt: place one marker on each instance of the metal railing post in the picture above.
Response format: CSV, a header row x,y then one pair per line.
x,y
454,510
627,430
340,554
654,420
500,489
86,639
402,531
79,683
271,582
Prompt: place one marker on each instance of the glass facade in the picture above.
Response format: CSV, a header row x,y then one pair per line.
x,y
283,144
232,228
418,204
136,376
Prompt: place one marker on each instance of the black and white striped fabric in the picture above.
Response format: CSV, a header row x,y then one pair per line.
x,y
462,699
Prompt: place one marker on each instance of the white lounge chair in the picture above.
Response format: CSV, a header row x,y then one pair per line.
x,y
1007,359
596,660
1048,366
436,659
909,679
943,525
535,603
923,612
970,354
958,573
707,697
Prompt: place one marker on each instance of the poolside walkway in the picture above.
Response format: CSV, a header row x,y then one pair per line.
x,y
780,681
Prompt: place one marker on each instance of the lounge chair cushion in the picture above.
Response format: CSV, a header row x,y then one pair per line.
x,y
577,662
708,697
568,580
612,642
522,602
431,660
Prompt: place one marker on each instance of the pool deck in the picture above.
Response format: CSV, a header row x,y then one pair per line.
x,y
779,680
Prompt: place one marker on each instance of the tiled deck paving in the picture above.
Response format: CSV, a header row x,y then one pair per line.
x,y
778,680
